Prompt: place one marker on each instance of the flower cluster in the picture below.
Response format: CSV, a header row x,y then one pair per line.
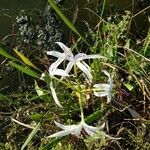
x,y
99,90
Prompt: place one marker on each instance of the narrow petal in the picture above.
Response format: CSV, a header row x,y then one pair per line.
x,y
101,90
110,79
54,71
101,86
109,98
85,70
60,134
102,126
88,131
94,129
66,50
58,62
54,65
87,66
110,137
110,86
55,54
91,57
100,94
69,66
54,95
60,72
42,76
80,56
65,127
106,73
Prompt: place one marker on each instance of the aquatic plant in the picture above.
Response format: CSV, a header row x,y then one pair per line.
x,y
92,99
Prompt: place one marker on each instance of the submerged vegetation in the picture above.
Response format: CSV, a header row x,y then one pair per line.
x,y
93,95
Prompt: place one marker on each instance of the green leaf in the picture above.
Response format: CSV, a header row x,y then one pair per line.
x,y
5,98
66,21
25,70
128,86
5,54
36,116
95,116
39,91
35,130
24,59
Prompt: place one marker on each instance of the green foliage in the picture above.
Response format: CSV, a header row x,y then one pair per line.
x,y
32,134
66,21
24,59
5,54
129,64
25,70
146,46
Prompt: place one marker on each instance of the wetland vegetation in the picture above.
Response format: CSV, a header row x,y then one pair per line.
x,y
75,75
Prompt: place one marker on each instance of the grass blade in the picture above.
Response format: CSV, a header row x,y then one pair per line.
x,y
66,21
5,98
24,59
25,70
35,130
5,54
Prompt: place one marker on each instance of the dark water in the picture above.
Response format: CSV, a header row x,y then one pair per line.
x,y
76,10
10,8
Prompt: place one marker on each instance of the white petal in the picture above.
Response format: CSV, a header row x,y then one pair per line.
x,y
65,127
109,98
85,70
69,66
101,90
87,66
60,134
102,126
110,137
91,57
88,131
106,73
54,95
55,54
60,72
42,76
101,87
65,49
110,79
100,94
93,129
54,65
80,56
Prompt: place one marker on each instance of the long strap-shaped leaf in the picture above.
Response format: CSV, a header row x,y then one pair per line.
x,y
25,70
5,54
35,130
66,21
24,59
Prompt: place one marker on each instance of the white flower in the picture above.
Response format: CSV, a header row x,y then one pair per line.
x,y
104,89
77,59
76,129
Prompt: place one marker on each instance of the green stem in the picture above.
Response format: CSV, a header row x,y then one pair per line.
x,y
81,108
79,92
103,7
